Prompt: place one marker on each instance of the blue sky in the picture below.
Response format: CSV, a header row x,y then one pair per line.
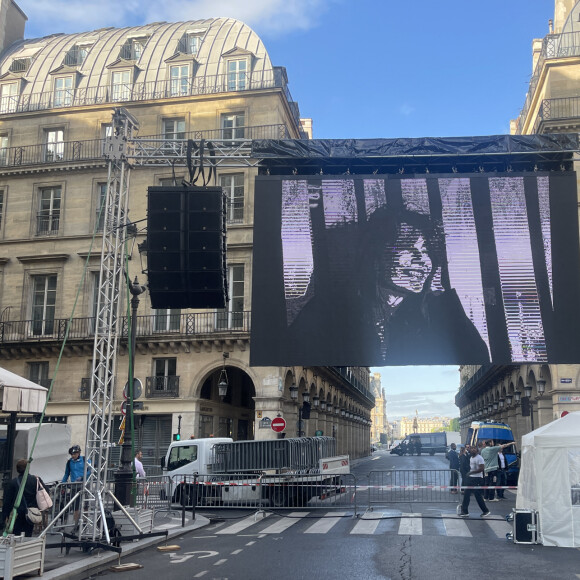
x,y
367,69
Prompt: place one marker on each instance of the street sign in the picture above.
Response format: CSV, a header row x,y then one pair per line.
x,y
137,389
278,424
124,408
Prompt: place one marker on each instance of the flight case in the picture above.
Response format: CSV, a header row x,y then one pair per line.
x,y
526,528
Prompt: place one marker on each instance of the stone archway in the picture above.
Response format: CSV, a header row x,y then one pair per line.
x,y
230,416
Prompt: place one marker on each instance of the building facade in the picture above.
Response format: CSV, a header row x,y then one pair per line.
x,y
208,79
528,396
408,425
380,424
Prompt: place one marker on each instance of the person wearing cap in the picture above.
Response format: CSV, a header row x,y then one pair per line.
x,y
75,471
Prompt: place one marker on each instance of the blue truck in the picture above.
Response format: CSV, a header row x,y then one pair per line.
x,y
501,433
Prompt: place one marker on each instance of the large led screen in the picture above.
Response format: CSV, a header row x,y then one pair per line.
x,y
410,270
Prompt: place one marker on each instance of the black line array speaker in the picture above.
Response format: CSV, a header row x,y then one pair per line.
x,y
186,247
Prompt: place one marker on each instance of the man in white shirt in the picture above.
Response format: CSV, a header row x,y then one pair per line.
x,y
138,465
474,479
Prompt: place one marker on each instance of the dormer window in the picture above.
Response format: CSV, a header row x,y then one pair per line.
x,y
121,85
237,75
133,48
76,55
20,65
8,97
63,91
190,42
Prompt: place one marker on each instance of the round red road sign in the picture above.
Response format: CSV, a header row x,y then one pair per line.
x,y
278,424
563,413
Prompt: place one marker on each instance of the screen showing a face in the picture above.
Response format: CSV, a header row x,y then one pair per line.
x,y
399,270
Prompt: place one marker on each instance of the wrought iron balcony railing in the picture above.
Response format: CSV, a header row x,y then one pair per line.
x,y
566,108
553,46
162,387
161,89
194,325
92,150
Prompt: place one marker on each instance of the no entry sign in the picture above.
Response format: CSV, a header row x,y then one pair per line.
x,y
278,424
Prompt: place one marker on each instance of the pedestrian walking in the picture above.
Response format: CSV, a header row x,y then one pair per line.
x,y
21,524
474,480
75,471
489,454
502,469
464,464
454,466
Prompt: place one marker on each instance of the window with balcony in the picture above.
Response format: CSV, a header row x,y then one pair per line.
x,y
63,91
173,128
121,85
38,373
1,208
43,304
233,316
100,209
179,80
20,65
166,320
3,150
8,97
49,210
164,382
77,55
233,126
233,186
133,48
54,144
237,74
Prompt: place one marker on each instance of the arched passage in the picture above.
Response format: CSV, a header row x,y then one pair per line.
x,y
231,415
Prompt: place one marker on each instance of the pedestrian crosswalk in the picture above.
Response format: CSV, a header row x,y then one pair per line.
x,y
370,523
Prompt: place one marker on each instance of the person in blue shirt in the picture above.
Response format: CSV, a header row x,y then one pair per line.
x,y
75,471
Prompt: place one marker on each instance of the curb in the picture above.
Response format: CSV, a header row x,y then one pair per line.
x,y
104,559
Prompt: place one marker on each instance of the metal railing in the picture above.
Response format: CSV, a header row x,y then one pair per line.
x,y
193,325
162,387
553,46
246,491
152,90
412,486
92,149
558,109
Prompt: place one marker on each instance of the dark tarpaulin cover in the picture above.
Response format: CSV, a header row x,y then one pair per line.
x,y
357,148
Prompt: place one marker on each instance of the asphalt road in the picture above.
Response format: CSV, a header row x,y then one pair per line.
x,y
382,544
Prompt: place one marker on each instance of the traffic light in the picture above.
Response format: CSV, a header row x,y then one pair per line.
x,y
176,437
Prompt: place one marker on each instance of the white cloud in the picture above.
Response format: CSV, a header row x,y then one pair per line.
x,y
268,17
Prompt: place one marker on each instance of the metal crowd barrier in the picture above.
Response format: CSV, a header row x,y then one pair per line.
x,y
413,486
263,491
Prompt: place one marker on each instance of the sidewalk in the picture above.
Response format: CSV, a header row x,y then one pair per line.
x,y
77,564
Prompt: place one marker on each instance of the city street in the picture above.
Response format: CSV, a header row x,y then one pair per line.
x,y
383,544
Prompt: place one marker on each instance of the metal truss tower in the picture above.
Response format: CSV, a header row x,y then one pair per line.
x,y
124,150
117,148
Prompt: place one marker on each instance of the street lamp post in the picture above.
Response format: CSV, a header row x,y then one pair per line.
x,y
124,475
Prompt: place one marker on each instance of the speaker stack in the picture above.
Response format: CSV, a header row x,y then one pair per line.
x,y
186,247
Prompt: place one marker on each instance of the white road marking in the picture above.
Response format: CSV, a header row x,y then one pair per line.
x,y
368,524
500,527
220,562
411,526
456,527
239,526
284,523
200,574
323,525
236,552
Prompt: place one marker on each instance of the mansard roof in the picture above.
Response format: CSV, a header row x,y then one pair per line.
x,y
221,38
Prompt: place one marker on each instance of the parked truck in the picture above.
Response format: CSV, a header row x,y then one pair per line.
x,y
278,472
422,443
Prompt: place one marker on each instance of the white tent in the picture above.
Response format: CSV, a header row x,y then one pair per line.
x,y
549,480
21,395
